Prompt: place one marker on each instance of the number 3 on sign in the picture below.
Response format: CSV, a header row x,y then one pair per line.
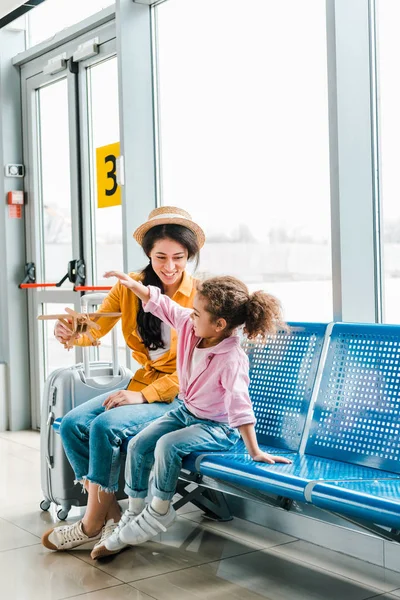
x,y
108,190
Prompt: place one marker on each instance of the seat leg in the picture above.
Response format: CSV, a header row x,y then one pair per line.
x,y
212,503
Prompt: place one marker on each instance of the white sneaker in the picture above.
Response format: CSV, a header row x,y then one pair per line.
x,y
67,537
110,542
146,526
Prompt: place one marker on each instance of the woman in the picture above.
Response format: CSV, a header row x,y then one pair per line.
x,y
93,432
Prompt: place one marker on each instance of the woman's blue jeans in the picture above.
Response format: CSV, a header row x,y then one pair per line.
x,y
165,443
92,437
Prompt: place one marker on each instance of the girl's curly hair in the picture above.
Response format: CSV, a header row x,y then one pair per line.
x,y
229,298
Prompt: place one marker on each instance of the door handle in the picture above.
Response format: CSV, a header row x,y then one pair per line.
x,y
76,274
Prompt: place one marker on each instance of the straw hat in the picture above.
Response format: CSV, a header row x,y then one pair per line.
x,y
165,215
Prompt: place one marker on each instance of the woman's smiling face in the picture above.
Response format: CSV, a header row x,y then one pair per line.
x,y
169,260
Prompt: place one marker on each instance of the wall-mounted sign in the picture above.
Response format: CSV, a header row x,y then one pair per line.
x,y
108,190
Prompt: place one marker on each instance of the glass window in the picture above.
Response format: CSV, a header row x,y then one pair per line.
x,y
54,150
243,114
55,355
388,13
52,16
104,130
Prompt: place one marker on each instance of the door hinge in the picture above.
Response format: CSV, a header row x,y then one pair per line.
x,y
86,50
56,64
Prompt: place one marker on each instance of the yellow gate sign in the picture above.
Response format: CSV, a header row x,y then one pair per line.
x,y
108,190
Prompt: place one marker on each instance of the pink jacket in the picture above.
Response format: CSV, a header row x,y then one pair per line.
x,y
218,387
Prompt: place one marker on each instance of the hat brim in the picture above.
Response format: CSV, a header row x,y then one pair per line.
x,y
140,232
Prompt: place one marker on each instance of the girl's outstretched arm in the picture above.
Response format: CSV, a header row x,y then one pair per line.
x,y
250,439
154,301
137,288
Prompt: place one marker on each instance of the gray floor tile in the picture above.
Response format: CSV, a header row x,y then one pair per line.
x,y
246,531
12,537
353,568
19,474
36,521
183,545
304,524
262,574
24,438
121,592
383,597
35,573
392,555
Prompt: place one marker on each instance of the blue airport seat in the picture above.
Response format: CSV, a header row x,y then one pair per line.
x,y
376,501
282,377
357,413
351,460
291,480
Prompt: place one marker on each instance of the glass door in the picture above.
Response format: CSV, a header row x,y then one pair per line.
x,y
102,196
71,146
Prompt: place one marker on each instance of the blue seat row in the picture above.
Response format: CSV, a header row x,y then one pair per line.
x,y
329,398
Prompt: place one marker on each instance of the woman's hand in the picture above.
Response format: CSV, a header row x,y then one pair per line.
x,y
270,458
123,397
62,333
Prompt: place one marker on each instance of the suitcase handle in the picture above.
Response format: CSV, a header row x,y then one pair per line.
x,y
93,300
49,457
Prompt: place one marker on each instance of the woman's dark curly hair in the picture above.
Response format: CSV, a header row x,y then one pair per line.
x,y
229,299
149,326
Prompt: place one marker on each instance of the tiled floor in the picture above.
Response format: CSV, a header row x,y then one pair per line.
x,y
195,559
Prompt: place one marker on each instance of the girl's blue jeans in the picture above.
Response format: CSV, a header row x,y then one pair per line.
x,y
165,443
92,437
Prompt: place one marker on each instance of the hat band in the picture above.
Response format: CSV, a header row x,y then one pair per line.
x,y
168,216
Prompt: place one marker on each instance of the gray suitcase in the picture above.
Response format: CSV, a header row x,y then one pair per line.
x,y
66,388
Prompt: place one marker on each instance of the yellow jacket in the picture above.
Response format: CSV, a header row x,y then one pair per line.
x,y
158,380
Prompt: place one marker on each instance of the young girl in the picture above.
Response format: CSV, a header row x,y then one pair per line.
x,y
213,376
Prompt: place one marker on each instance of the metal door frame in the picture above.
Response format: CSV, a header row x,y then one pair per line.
x,y
32,79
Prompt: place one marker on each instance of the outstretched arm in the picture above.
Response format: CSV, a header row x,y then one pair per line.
x,y
155,302
250,439
137,288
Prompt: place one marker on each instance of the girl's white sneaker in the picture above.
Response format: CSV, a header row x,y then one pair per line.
x,y
146,526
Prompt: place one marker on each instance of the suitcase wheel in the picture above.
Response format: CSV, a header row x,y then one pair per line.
x,y
62,514
45,504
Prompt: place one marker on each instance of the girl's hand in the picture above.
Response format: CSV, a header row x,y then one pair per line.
x,y
123,277
270,458
123,397
250,439
136,287
62,333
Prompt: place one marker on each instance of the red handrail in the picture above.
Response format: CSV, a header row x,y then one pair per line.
x,y
36,285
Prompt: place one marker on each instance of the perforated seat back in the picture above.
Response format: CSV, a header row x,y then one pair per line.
x,y
357,413
282,375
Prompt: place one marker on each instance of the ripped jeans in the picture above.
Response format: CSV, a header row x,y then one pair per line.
x,y
92,437
165,444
